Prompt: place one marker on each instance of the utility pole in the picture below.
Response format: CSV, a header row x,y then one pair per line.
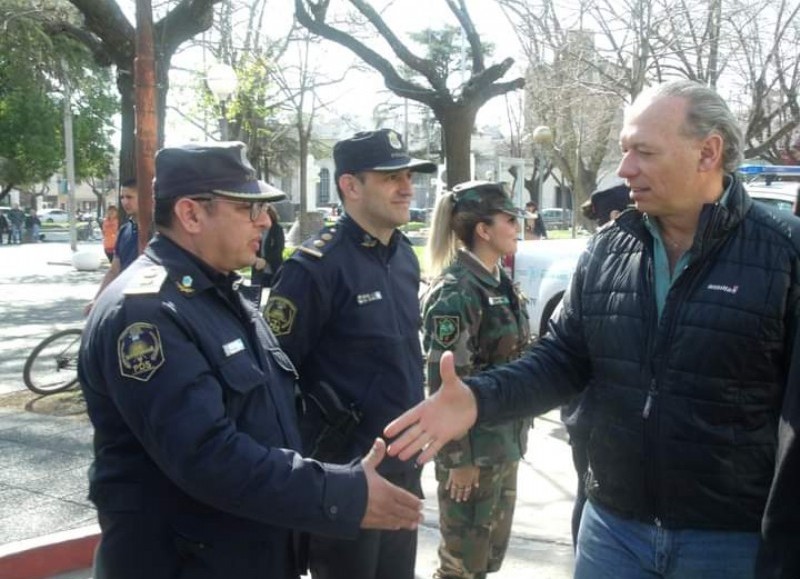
x,y
69,149
146,119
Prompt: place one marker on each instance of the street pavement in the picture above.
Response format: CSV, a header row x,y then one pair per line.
x,y
45,444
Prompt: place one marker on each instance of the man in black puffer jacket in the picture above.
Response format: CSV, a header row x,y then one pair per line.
x,y
681,320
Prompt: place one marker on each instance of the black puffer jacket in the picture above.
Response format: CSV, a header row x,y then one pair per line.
x,y
686,407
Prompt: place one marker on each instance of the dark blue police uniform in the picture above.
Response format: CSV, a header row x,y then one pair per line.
x,y
196,470
126,247
345,308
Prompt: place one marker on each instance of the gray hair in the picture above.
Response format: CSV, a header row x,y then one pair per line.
x,y
707,113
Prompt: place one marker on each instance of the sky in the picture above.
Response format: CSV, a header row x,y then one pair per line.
x,y
360,92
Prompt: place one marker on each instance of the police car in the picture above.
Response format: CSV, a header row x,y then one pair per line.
x,y
774,185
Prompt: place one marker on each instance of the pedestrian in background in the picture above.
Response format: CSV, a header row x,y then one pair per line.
x,y
33,226
345,308
603,207
197,471
682,319
534,224
110,229
273,243
5,230
16,220
474,310
126,247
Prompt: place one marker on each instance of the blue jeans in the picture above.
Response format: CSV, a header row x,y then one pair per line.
x,y
610,547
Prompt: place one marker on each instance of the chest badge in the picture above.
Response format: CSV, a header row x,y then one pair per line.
x,y
280,314
498,301
233,347
363,299
446,330
139,351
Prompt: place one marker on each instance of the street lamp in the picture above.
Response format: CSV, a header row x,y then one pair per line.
x,y
542,138
221,81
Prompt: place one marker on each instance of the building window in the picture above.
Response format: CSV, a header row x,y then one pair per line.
x,y
324,189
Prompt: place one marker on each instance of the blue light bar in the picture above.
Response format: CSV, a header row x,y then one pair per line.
x,y
769,170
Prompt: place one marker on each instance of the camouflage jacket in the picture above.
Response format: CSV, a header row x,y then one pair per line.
x,y
484,322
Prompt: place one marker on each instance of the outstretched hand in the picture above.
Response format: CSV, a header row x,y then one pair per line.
x,y
388,506
434,422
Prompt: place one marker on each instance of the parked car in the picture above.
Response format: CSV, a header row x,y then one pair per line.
x,y
781,195
53,216
556,217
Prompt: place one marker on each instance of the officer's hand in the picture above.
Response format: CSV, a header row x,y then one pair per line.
x,y
388,506
432,423
461,480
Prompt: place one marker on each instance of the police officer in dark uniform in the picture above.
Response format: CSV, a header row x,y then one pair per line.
x,y
345,309
196,470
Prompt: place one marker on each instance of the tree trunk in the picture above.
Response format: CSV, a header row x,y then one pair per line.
x,y
457,123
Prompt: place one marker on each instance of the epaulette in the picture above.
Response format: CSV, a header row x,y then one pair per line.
x,y
147,281
318,245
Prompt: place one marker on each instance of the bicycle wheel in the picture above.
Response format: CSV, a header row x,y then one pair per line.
x,y
52,366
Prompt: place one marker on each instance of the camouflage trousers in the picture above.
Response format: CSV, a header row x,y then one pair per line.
x,y
475,533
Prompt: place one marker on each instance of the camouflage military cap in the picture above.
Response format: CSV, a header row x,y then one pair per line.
x,y
485,198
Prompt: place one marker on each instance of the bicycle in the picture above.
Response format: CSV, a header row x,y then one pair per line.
x,y
52,366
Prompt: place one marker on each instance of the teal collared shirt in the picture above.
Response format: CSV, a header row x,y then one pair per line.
x,y
662,277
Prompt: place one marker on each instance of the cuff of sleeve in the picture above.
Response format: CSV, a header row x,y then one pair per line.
x,y
485,397
344,499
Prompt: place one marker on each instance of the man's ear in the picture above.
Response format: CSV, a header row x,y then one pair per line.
x,y
711,151
187,213
348,184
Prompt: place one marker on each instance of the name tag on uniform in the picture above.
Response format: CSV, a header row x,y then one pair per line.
x,y
363,299
232,348
498,301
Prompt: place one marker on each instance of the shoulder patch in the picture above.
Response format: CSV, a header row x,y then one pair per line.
x,y
147,281
280,314
139,351
310,251
446,330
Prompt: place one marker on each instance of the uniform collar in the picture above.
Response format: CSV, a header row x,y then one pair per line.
x,y
476,267
361,237
188,272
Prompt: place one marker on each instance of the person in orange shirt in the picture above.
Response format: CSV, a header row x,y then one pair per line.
x,y
110,228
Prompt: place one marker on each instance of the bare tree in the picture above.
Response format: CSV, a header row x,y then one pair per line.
x,y
454,109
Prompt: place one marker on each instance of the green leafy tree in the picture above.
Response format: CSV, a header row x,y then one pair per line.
x,y
33,69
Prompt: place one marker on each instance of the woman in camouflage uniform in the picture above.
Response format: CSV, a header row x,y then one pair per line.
x,y
473,309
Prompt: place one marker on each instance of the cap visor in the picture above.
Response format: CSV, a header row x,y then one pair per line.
x,y
519,213
252,191
417,165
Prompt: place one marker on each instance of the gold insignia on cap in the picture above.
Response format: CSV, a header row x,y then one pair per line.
x,y
139,351
394,140
280,314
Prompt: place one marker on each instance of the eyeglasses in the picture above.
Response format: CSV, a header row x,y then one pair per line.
x,y
257,208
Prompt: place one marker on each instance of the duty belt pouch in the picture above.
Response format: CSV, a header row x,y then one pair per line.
x,y
338,423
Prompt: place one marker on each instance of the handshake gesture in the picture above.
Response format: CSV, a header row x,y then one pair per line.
x,y
434,422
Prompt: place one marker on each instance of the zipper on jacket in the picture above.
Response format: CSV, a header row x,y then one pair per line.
x,y
652,392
